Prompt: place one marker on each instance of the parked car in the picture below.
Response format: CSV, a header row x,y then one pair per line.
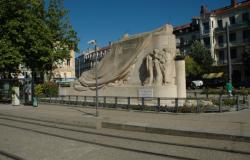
x,y
196,84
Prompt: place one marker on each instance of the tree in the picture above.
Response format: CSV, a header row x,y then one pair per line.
x,y
63,35
193,69
201,55
10,38
25,38
33,36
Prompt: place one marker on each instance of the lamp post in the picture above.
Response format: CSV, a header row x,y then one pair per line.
x,y
93,42
229,84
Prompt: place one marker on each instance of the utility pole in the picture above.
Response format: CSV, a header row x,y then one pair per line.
x,y
228,56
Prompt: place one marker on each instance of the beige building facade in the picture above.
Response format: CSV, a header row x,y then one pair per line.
x,y
65,71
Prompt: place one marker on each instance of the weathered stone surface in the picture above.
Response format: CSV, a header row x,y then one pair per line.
x,y
136,62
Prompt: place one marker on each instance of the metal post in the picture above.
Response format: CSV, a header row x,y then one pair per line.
x,y
84,100
142,103
115,101
176,104
220,103
104,101
76,100
158,104
69,100
128,102
228,56
248,100
96,81
238,103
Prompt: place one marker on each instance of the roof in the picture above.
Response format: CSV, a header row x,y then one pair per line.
x,y
182,26
240,5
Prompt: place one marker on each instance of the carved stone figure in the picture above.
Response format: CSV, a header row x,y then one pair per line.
x,y
158,65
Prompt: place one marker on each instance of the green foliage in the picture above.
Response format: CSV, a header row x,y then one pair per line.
x,y
64,37
47,89
201,55
39,91
193,69
34,36
50,89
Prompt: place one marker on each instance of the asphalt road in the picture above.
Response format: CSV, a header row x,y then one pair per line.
x,y
37,140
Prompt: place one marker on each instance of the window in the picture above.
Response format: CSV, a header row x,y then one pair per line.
x,y
220,39
219,22
232,37
233,53
245,17
206,26
68,62
221,55
232,20
181,41
246,34
193,37
206,41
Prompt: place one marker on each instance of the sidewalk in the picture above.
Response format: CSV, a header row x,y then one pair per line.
x,y
219,125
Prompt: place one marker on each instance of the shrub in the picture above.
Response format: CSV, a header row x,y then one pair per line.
x,y
39,90
50,89
46,89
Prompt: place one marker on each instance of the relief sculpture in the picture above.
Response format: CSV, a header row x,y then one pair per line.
x,y
157,67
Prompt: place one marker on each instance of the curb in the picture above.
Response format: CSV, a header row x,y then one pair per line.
x,y
174,132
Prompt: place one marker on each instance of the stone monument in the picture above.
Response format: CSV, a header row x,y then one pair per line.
x,y
141,65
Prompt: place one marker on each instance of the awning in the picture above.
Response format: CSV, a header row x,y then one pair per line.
x,y
213,75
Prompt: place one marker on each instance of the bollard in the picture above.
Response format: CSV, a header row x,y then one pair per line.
x,y
220,103
237,105
158,104
176,104
128,103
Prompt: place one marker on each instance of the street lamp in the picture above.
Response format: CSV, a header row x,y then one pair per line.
x,y
229,85
93,42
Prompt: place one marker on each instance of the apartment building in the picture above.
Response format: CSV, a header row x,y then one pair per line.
x,y
86,60
211,31
65,71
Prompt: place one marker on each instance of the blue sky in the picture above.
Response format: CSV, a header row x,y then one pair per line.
x,y
108,20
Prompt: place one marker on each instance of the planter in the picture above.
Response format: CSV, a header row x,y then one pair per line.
x,y
15,96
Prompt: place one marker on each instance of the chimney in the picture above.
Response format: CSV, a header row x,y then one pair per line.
x,y
233,3
203,10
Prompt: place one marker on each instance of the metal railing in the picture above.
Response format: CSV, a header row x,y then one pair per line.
x,y
196,104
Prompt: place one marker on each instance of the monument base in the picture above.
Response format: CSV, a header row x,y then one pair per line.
x,y
150,93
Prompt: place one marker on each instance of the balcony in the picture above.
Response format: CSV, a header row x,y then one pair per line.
x,y
233,44
240,25
233,61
